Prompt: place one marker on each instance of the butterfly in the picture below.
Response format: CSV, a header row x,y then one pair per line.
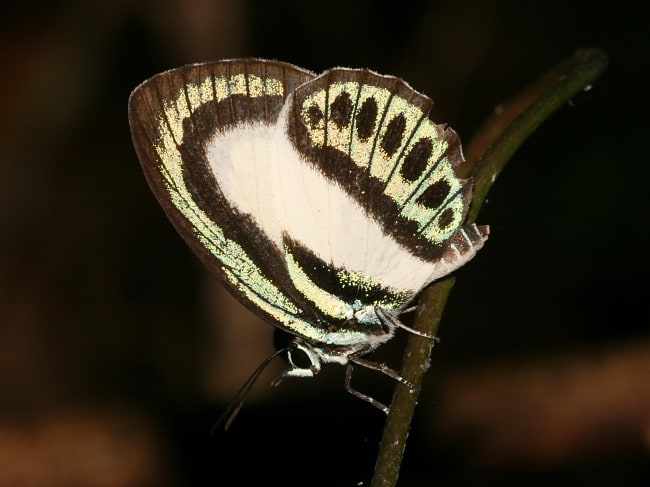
x,y
325,203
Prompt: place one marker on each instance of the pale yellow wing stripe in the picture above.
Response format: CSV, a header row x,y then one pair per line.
x,y
333,306
238,268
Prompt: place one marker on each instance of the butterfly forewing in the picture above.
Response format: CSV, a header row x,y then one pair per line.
x,y
174,116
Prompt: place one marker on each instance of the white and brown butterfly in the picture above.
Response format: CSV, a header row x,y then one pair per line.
x,y
324,202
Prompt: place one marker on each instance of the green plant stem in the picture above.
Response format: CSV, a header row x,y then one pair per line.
x,y
487,154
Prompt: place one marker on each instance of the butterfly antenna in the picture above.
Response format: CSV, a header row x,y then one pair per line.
x,y
228,416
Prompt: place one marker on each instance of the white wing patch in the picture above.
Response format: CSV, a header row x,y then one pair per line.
x,y
262,175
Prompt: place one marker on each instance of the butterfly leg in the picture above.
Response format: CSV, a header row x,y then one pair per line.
x,y
355,393
380,368
384,369
387,317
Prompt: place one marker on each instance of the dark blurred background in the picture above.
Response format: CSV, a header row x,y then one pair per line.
x,y
118,350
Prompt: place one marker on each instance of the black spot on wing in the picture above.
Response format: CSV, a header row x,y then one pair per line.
x,y
435,195
366,118
446,218
394,135
315,115
341,110
416,160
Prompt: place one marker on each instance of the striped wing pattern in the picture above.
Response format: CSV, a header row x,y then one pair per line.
x,y
316,199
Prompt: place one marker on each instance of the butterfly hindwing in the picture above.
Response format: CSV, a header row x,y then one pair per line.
x,y
371,135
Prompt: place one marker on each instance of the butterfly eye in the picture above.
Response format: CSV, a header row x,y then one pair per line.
x,y
302,357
